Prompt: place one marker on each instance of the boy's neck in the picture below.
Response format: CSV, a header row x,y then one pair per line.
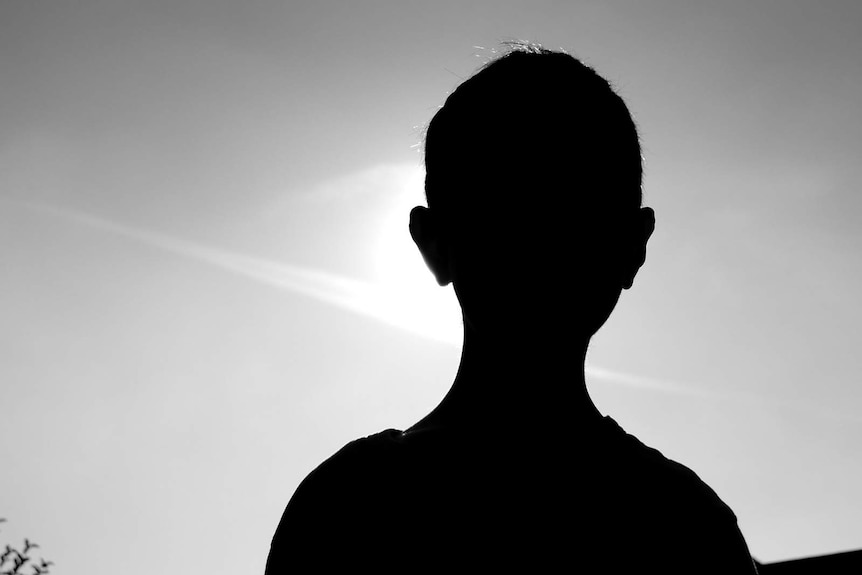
x,y
517,385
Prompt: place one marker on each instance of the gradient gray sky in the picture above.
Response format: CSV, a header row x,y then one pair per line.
x,y
208,286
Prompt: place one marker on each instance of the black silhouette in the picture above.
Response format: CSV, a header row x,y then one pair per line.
x,y
534,215
835,563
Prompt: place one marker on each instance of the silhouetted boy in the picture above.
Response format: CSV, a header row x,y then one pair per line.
x,y
533,182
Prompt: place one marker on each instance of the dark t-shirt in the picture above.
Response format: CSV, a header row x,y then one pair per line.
x,y
440,500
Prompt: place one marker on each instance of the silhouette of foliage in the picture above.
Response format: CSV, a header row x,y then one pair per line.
x,y
15,561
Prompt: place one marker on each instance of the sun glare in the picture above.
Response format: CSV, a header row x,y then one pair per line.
x,y
409,296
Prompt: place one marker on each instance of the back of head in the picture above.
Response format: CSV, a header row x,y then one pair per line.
x,y
533,167
531,117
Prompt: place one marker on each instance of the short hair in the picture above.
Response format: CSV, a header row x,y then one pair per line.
x,y
527,118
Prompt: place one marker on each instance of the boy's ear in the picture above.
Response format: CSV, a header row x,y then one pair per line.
x,y
644,227
428,234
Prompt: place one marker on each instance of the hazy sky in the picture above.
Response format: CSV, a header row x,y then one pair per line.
x,y
207,286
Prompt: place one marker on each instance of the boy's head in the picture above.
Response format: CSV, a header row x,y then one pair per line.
x,y
533,182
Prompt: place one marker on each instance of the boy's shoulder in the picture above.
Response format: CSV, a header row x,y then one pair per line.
x,y
646,471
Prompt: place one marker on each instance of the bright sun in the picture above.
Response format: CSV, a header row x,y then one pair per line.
x,y
409,296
